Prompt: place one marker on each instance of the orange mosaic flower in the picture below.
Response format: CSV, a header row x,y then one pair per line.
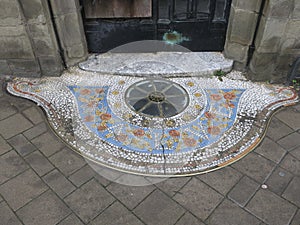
x,y
190,142
209,115
99,90
85,92
214,130
89,118
216,97
174,133
139,133
229,96
121,137
229,105
105,116
102,127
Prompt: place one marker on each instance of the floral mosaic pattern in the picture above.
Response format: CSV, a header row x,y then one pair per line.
x,y
223,121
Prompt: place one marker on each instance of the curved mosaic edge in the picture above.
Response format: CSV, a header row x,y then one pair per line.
x,y
61,110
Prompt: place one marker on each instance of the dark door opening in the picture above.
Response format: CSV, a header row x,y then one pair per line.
x,y
199,25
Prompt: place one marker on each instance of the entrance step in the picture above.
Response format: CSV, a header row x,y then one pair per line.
x,y
165,64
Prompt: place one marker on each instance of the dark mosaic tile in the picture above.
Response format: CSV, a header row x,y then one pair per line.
x,y
271,208
291,141
6,109
21,144
292,192
291,117
34,115
255,166
296,219
130,196
71,220
7,217
278,129
159,209
58,183
116,214
46,209
291,164
11,164
279,180
67,161
4,146
14,125
228,213
221,180
198,198
296,153
243,191
172,185
39,163
271,150
35,131
189,219
22,189
89,200
48,143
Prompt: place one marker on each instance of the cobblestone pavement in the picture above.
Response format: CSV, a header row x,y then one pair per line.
x,y
43,182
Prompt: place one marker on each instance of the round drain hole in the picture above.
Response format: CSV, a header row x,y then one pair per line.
x,y
157,98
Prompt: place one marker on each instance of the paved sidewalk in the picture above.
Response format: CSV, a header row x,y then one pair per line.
x,y
43,182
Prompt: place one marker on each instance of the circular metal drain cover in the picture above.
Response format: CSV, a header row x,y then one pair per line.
x,y
157,98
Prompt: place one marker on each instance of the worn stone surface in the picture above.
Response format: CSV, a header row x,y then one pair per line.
x,y
71,220
279,180
253,5
236,51
278,129
21,145
34,115
291,141
35,131
278,8
39,163
291,164
7,109
47,143
290,117
4,146
189,219
291,193
7,216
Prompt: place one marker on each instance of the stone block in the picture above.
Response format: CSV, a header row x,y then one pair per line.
x,y
25,67
269,35
61,7
253,5
15,47
7,216
292,29
13,30
51,65
76,51
278,8
241,26
240,66
296,11
44,46
236,51
4,68
39,163
21,145
9,13
262,66
33,10
48,143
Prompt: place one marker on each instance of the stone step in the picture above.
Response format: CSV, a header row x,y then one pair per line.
x,y
165,64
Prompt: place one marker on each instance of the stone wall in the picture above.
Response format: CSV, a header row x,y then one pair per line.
x,y
28,41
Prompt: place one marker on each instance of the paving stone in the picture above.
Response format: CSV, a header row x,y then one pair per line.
x,y
243,191
290,117
198,198
116,214
46,209
82,175
11,164
189,219
130,196
159,209
58,183
296,153
296,219
25,186
7,217
47,143
291,141
4,147
172,185
292,192
14,125
6,109
271,208
271,150
291,164
228,213
278,129
71,220
35,131
221,180
67,161
34,115
255,166
20,103
89,200
21,144
279,180
39,163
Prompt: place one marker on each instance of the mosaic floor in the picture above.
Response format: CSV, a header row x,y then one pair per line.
x,y
156,126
